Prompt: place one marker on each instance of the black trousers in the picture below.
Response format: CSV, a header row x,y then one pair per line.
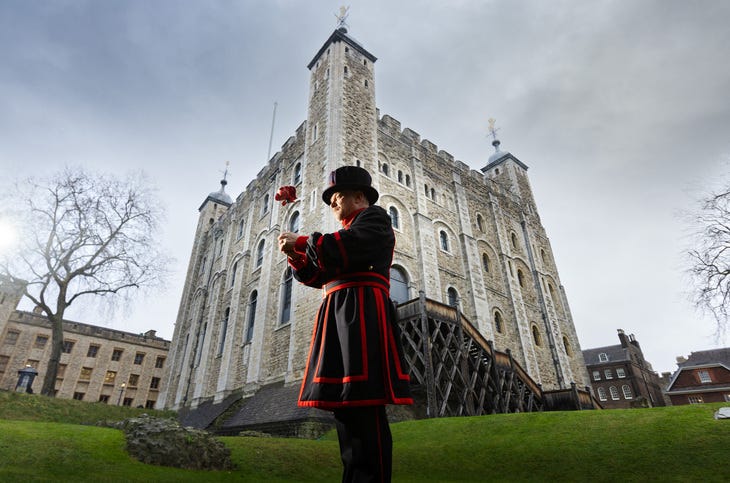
x,y
366,446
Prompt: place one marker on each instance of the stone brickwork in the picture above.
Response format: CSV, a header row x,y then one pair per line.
x,y
99,360
475,236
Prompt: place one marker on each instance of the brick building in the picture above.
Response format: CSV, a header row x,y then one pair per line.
x,y
464,237
703,377
621,377
97,363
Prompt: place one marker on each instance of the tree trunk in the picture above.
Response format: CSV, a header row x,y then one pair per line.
x,y
49,380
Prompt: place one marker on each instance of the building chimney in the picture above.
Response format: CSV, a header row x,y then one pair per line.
x,y
622,337
681,360
151,334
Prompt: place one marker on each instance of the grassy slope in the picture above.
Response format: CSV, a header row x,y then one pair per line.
x,y
662,444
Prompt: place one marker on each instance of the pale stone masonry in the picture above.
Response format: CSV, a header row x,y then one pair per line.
x,y
95,363
462,236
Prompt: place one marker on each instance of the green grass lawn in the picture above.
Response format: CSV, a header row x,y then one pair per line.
x,y
680,443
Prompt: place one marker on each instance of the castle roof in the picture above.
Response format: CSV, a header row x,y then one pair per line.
x,y
341,35
220,196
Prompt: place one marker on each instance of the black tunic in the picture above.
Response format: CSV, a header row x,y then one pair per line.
x,y
355,356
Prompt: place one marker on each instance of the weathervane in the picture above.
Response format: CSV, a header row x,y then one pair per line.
x,y
225,174
344,12
492,129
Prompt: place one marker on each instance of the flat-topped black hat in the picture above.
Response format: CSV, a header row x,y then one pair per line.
x,y
352,178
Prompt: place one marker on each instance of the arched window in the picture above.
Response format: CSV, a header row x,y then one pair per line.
x,y
408,180
602,394
453,296
233,273
444,240
393,211
398,285
385,169
485,262
513,239
498,325
224,330
297,173
566,345
542,255
614,393
199,344
552,291
480,223
286,297
400,176
240,228
536,337
602,357
520,278
294,222
251,316
425,189
627,392
260,254
265,205
433,194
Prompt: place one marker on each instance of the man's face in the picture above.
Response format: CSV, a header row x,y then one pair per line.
x,y
344,203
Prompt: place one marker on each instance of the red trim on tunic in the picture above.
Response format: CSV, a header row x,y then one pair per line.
x,y
309,355
341,247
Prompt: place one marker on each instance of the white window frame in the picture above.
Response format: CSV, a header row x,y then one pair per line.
x,y
602,357
596,375
620,372
602,394
626,389
704,376
608,374
614,393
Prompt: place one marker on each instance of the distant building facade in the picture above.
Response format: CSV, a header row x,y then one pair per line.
x,y
463,237
621,377
97,363
703,377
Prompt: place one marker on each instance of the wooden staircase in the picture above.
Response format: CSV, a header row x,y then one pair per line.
x,y
461,374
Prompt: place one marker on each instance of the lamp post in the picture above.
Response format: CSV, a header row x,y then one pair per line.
x,y
121,391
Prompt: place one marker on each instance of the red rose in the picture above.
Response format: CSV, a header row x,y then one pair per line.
x,y
286,194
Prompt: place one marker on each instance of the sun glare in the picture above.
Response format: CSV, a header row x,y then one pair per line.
x,y
8,235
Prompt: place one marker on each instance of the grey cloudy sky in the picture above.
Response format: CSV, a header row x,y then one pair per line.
x,y
621,109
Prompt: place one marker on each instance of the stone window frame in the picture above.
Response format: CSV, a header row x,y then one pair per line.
x,y
85,373
536,335
480,222
567,347
117,354
486,261
37,345
241,225
133,380
139,358
260,248
498,321
444,244
93,350
234,269
295,217
160,362
68,346
155,383
286,298
394,217
452,297
79,396
4,361
251,316
224,331
11,337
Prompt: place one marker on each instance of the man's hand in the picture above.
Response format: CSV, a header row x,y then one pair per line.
x,y
286,243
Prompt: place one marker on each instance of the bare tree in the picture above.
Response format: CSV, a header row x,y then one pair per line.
x,y
83,234
710,260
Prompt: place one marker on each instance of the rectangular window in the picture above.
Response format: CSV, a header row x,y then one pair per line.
x,y
127,401
608,374
133,380
79,396
68,346
160,362
11,338
93,350
40,341
85,373
4,363
695,399
150,404
155,383
596,375
117,354
104,398
61,373
138,358
110,377
704,377
620,373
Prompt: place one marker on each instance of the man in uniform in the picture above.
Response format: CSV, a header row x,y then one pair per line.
x,y
355,365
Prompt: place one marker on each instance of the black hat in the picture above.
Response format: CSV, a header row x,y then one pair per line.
x,y
352,178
